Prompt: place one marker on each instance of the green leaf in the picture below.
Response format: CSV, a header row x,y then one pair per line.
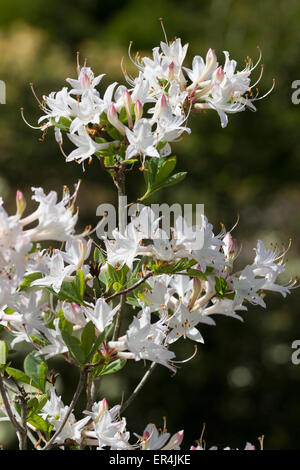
x,y
19,375
174,179
3,353
63,323
171,180
195,273
113,273
63,123
40,424
110,368
69,292
74,347
87,338
36,369
38,339
221,286
36,404
29,279
165,170
99,341
80,283
99,256
117,286
43,373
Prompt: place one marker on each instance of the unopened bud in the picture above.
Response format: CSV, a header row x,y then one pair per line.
x,y
171,75
211,58
84,79
138,110
219,74
58,136
197,289
113,118
104,405
230,246
210,63
21,202
128,107
159,107
175,441
83,251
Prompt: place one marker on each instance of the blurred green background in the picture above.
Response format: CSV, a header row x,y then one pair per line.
x,y
242,383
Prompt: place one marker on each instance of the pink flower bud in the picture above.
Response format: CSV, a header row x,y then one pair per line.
x,y
175,441
82,250
75,307
171,75
230,246
138,110
84,80
211,57
113,118
104,405
159,107
21,202
219,74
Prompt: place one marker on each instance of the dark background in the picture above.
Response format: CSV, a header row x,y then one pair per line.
x,y
242,383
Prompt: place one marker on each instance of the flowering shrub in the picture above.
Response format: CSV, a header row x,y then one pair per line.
x,y
71,301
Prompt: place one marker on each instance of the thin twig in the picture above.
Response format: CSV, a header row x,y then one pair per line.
x,y
71,407
119,180
9,412
139,387
129,289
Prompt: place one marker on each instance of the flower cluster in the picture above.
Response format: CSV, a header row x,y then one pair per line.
x,y
69,299
142,119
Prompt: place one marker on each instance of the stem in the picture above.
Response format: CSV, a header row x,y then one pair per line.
x,y
89,402
119,181
92,389
24,412
139,387
71,407
119,318
129,289
18,427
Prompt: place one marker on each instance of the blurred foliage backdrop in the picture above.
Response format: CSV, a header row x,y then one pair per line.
x,y
242,383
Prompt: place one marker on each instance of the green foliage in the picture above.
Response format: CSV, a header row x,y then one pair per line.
x,y
35,372
87,338
221,286
62,124
158,175
74,347
3,353
36,369
109,368
29,279
72,291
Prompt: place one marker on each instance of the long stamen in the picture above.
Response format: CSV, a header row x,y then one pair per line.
x,y
136,63
189,358
163,28
62,150
26,122
260,76
268,92
34,94
258,60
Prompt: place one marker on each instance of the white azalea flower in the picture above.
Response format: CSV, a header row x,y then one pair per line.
x,y
101,315
141,140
